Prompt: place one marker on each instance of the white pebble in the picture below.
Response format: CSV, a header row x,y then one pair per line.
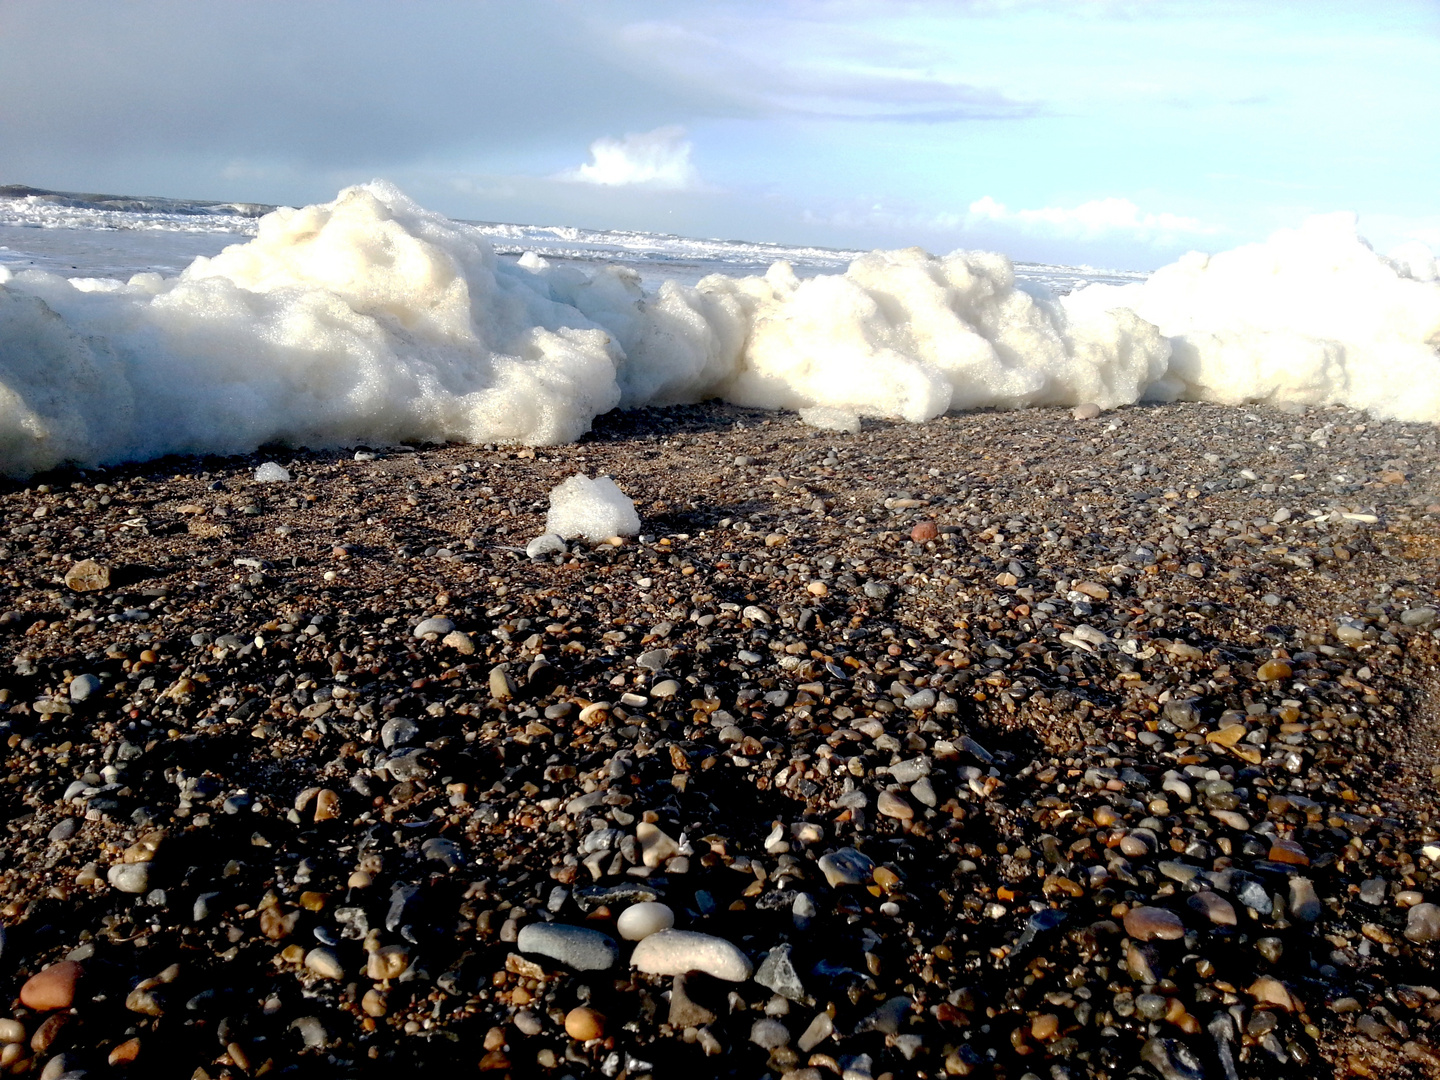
x,y
677,952
639,921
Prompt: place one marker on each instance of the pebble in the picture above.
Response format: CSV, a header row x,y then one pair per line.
x,y
1152,923
87,575
84,687
679,952
1422,923
545,544
576,947
1304,900
460,642
388,962
846,867
52,988
639,921
325,963
434,625
892,804
655,845
130,877
816,1032
777,972
583,1024
769,1034
1214,907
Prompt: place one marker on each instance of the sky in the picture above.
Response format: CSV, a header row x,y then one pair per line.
x,y
1114,133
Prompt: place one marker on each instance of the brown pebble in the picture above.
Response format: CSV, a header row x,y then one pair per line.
x,y
923,531
48,1033
1288,851
1273,671
1044,1027
1214,907
53,988
327,805
387,963
1151,923
584,1024
87,576
125,1053
375,1002
1269,991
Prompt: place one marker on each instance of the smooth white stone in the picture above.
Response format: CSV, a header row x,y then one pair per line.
x,y
639,921
677,952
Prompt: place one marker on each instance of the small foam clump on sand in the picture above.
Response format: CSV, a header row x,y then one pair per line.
x,y
823,419
595,509
271,473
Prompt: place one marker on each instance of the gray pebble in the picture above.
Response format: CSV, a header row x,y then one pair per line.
x,y
83,687
434,625
576,947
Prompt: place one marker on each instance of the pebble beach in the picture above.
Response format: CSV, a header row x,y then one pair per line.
x,y
1039,744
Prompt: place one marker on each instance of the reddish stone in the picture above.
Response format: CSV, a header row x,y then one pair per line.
x,y
1288,851
923,531
53,988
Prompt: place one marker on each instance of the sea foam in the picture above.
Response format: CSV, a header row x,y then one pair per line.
x,y
372,320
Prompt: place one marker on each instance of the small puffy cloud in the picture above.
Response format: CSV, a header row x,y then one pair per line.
x,y
657,159
1089,220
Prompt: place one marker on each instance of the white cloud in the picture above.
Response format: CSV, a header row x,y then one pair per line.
x,y
1089,220
658,159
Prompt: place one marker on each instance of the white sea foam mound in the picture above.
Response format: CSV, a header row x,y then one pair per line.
x,y
595,509
1312,315
370,320
363,320
272,473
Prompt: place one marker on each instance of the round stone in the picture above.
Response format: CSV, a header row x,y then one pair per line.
x,y
53,988
584,1024
1273,671
639,921
87,576
130,877
83,687
1422,923
436,625
846,867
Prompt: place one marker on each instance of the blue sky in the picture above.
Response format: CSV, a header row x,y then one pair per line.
x,y
1113,133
